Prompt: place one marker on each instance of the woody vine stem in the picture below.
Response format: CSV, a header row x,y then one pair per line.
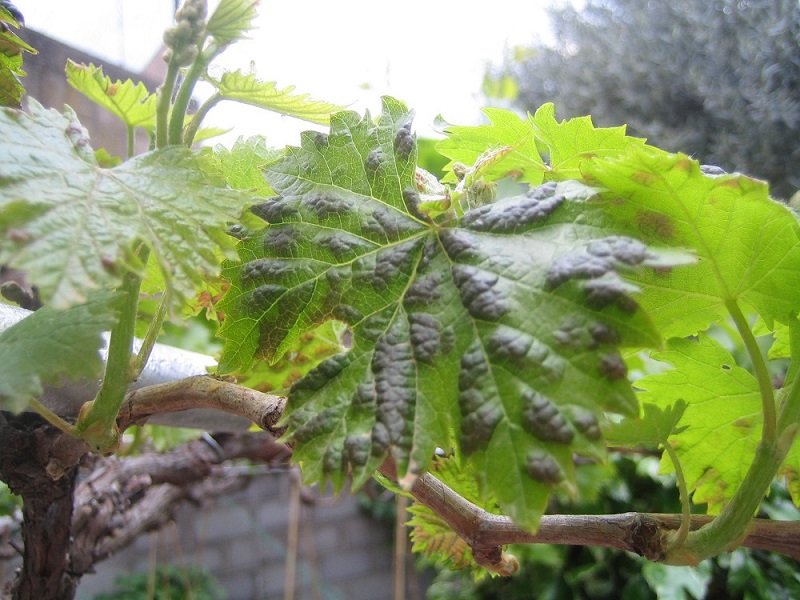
x,y
643,533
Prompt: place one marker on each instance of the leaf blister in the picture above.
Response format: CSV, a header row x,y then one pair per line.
x,y
515,214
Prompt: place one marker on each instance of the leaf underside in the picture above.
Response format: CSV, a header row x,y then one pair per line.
x,y
723,414
495,334
72,226
51,344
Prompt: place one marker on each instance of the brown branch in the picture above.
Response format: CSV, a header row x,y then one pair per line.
x,y
125,497
201,391
486,533
640,533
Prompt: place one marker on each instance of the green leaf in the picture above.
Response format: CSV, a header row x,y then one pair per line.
x,y
11,90
305,354
465,144
496,333
541,148
131,103
231,20
242,166
11,51
248,89
723,415
430,534
570,143
72,235
654,427
747,245
51,344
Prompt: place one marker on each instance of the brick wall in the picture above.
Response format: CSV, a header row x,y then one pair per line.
x,y
343,554
46,81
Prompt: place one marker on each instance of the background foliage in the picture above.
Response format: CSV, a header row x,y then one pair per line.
x,y
718,80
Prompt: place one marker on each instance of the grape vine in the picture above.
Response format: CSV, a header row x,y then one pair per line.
x,y
514,335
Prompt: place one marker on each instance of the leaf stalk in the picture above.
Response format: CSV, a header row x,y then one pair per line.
x,y
184,96
163,104
769,429
139,363
686,512
197,119
97,419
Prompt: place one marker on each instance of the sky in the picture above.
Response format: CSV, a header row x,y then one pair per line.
x,y
431,54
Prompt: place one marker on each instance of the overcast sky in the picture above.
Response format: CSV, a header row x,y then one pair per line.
x,y
431,54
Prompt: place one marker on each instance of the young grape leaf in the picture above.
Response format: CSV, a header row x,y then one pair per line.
x,y
11,52
433,537
248,89
541,148
51,344
496,333
231,20
129,102
747,245
723,414
654,427
466,143
241,167
437,541
71,225
11,89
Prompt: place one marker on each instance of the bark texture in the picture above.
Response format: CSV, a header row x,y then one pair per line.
x,y
67,528
40,464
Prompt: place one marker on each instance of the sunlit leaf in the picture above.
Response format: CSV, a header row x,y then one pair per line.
x,y
248,89
653,427
131,103
747,245
496,333
541,148
231,20
723,416
74,234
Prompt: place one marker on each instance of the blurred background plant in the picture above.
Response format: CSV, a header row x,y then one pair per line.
x,y
719,80
166,583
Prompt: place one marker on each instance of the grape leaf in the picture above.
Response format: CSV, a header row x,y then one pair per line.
x,y
654,427
231,20
496,333
129,102
242,166
71,235
541,147
723,414
51,344
248,89
747,245
466,143
306,353
11,52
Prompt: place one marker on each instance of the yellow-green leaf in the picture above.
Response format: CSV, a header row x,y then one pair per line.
x,y
248,89
132,103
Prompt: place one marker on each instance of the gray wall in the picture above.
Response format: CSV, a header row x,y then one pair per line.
x,y
242,539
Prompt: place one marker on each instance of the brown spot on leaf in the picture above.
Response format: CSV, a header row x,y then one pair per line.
x,y
655,224
644,178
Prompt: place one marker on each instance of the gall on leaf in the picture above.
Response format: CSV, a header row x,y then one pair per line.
x,y
458,328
